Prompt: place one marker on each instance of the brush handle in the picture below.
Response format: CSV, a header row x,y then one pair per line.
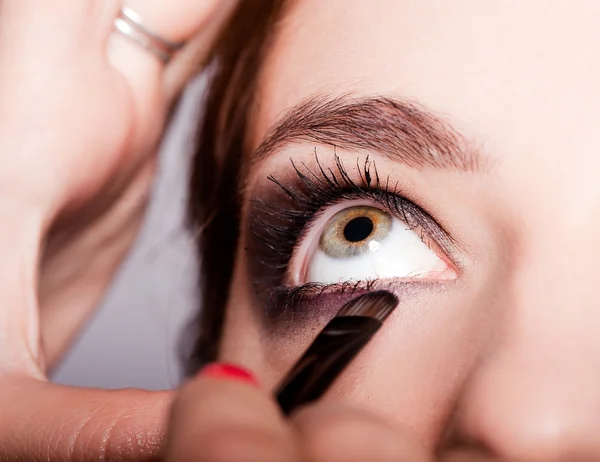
x,y
329,354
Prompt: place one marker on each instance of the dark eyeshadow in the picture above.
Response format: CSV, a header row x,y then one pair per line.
x,y
294,308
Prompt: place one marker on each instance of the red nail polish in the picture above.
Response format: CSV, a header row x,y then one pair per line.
x,y
228,371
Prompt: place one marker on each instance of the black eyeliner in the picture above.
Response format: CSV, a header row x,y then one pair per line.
x,y
333,349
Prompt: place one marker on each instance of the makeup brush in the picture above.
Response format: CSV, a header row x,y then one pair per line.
x,y
333,349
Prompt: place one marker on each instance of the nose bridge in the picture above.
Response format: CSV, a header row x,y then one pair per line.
x,y
536,396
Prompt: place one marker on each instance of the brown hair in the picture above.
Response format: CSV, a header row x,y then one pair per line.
x,y
214,207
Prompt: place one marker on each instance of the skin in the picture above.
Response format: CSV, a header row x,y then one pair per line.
x,y
507,357
81,113
508,352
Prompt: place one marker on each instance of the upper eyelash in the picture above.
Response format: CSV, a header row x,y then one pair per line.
x,y
278,228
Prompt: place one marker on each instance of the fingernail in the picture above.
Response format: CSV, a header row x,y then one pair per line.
x,y
228,371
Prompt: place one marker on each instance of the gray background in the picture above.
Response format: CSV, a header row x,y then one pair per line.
x,y
134,339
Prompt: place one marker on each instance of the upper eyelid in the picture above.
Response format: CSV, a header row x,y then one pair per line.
x,y
383,192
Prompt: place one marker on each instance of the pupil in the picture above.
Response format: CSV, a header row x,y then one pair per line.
x,y
358,229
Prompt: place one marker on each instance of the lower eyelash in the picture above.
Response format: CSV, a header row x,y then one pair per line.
x,y
287,296
281,219
288,303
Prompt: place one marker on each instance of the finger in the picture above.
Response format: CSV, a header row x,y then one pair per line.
x,y
332,433
219,417
175,20
466,455
55,423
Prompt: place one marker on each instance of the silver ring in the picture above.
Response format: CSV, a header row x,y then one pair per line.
x,y
131,26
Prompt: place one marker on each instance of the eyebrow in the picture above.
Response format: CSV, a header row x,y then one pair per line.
x,y
400,130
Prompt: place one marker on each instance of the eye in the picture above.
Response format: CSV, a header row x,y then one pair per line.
x,y
365,242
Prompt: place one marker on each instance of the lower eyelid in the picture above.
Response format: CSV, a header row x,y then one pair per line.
x,y
289,307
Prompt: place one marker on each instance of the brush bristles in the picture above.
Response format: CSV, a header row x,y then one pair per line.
x,y
377,305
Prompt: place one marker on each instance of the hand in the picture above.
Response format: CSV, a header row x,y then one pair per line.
x,y
225,417
81,113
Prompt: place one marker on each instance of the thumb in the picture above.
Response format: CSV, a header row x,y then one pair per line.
x,y
43,421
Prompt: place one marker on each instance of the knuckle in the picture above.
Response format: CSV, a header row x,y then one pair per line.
x,y
116,433
127,442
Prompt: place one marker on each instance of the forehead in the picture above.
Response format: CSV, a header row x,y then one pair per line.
x,y
521,76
